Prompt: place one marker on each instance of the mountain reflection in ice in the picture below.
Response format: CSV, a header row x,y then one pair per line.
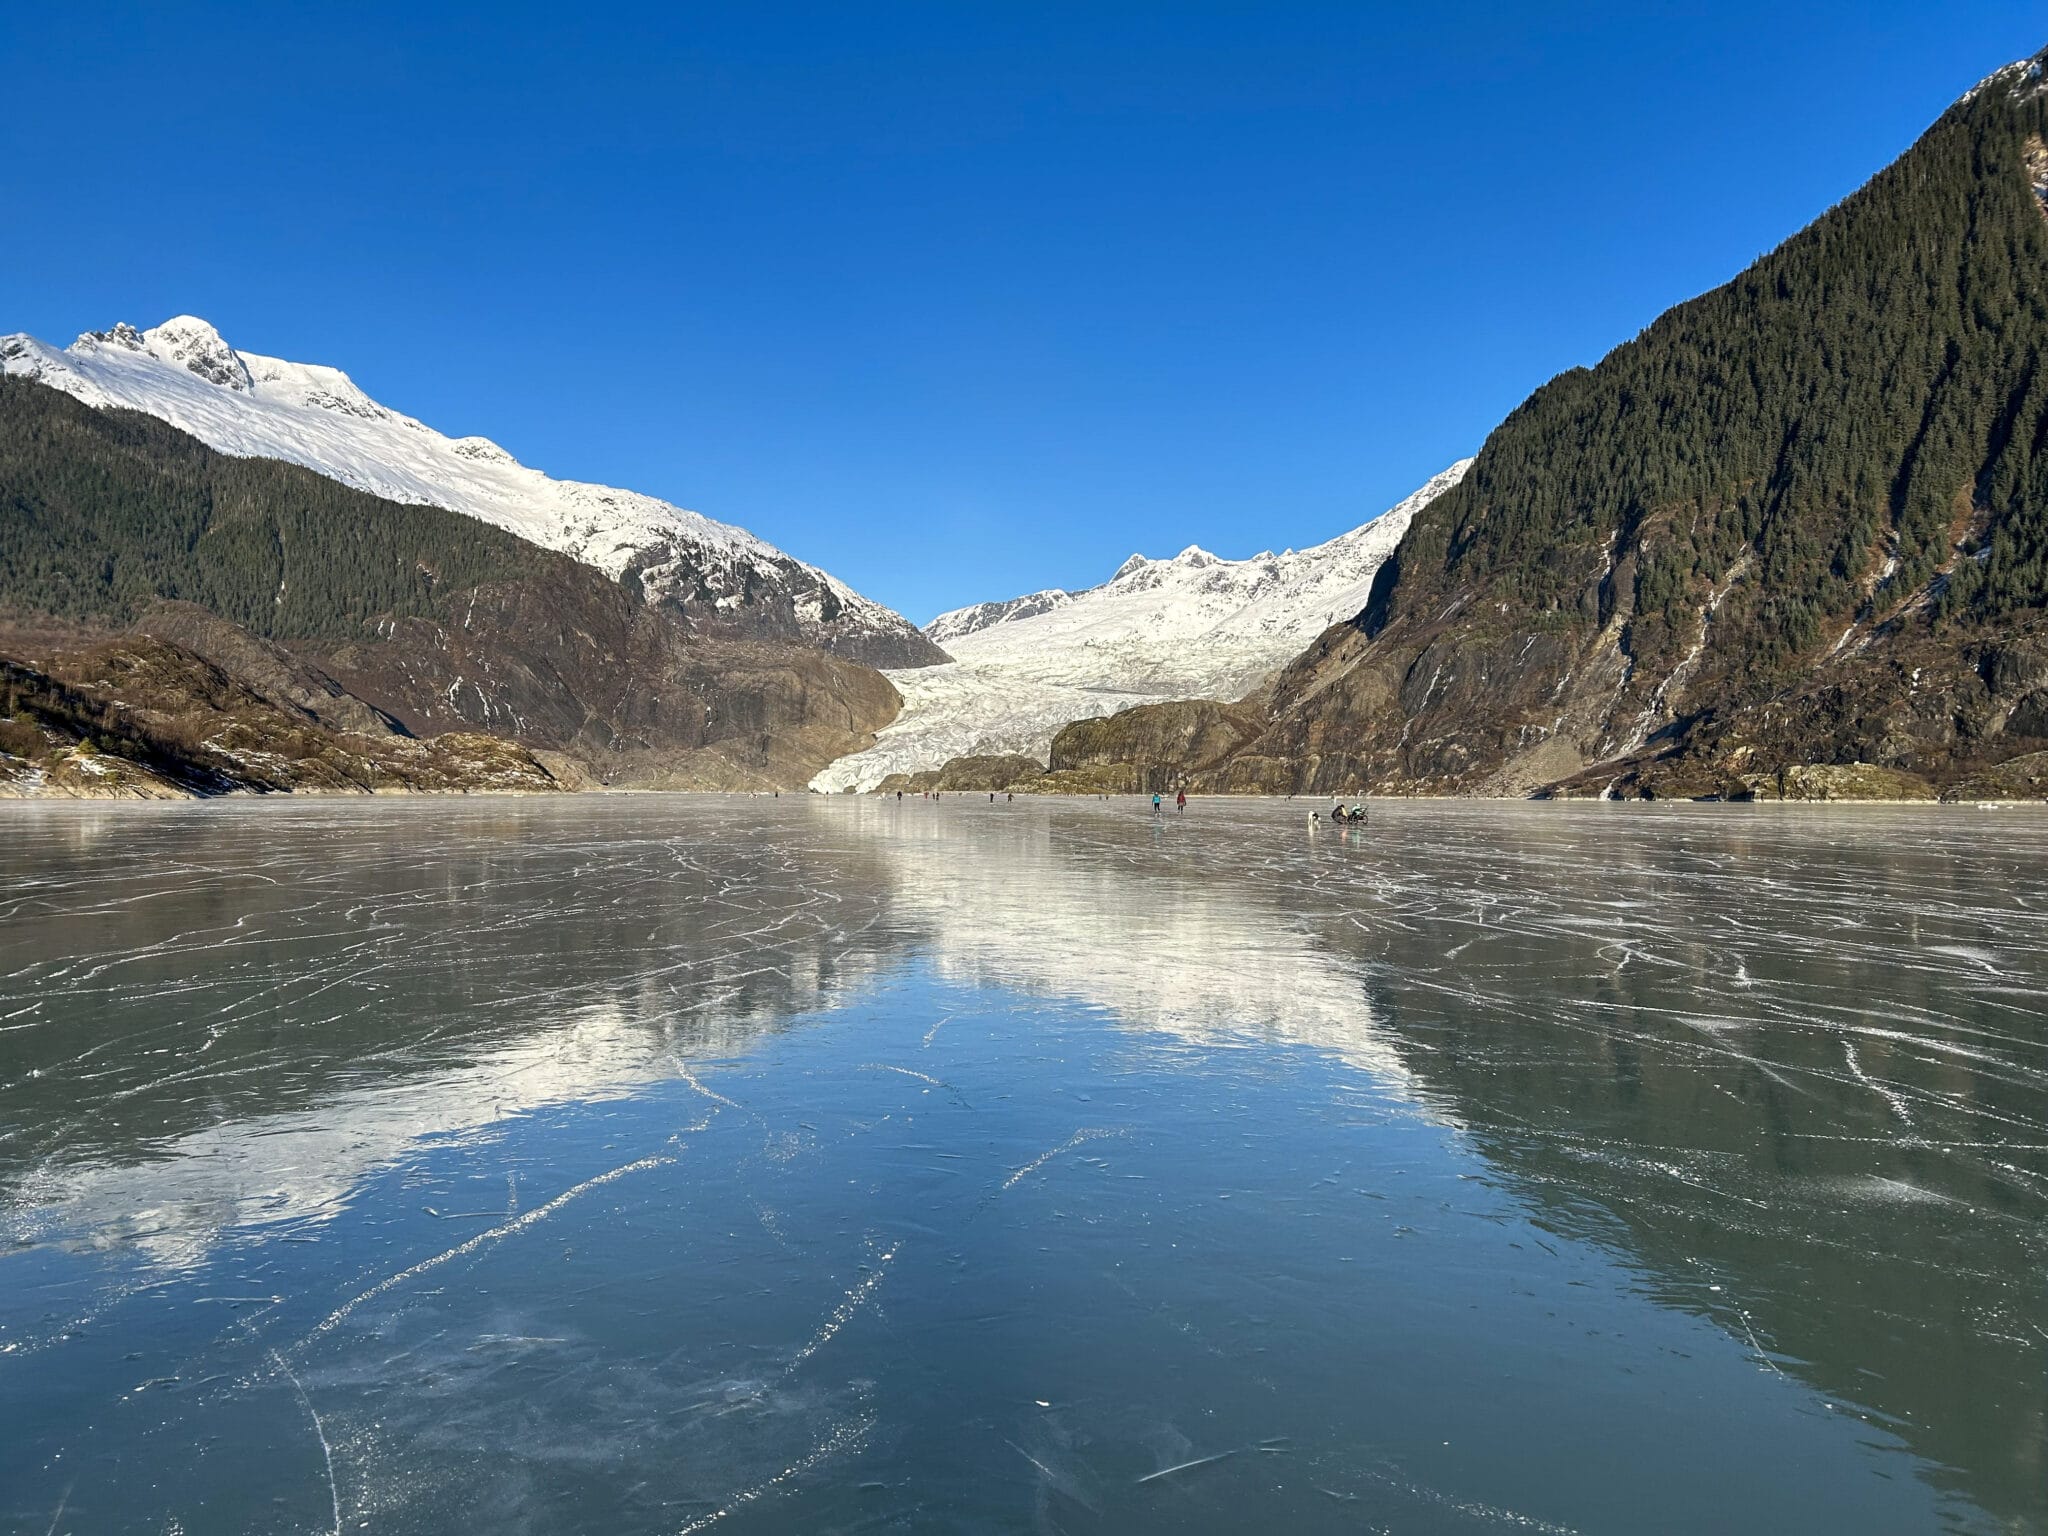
x,y
674,1164
1146,929
204,1035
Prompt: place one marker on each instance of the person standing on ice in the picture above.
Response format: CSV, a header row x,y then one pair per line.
x,y
1180,802
1155,802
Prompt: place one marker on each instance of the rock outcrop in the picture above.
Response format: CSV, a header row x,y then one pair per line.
x,y
141,719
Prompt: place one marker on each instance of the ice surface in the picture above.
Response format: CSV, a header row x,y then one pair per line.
x,y
695,1163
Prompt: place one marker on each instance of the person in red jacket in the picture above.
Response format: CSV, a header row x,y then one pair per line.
x,y
1180,802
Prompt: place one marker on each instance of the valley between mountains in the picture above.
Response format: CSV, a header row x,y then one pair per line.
x,y
1789,542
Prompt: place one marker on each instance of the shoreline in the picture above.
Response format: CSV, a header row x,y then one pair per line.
x,y
9,795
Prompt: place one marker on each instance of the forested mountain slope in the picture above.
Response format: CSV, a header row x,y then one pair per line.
x,y
725,579
368,614
1801,522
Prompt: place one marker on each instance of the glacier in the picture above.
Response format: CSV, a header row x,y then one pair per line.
x,y
1194,626
185,373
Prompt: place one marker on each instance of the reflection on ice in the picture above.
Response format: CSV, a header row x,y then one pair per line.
x,y
1078,913
652,1164
302,1165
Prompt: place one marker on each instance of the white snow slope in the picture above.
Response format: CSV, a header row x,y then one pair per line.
x,y
184,373
1193,627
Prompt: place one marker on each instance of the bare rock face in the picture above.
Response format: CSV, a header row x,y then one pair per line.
x,y
1163,746
1841,781
988,774
141,719
2017,778
576,665
577,668
264,667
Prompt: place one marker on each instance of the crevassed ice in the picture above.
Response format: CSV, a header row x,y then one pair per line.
x,y
1192,627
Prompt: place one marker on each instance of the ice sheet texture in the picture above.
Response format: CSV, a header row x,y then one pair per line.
x,y
660,1164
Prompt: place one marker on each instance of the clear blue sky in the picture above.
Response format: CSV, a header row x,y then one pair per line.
x,y
955,300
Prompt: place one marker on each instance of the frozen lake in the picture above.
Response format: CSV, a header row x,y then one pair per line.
x,y
673,1164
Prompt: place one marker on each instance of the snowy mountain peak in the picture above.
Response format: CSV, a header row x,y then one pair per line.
x,y
1193,558
241,403
185,341
951,625
192,344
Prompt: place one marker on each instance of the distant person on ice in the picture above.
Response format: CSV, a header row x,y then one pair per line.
x,y
1180,802
1155,802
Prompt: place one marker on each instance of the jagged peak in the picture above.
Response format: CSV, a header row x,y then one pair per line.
x,y
123,335
1135,563
184,341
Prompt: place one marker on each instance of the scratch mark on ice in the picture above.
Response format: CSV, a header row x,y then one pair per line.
x,y
1187,1466
691,1078
59,1515
1085,1134
1757,1345
1890,1096
845,1437
849,1304
484,1239
1471,1509
326,1451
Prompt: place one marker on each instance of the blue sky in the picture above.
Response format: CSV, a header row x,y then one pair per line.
x,y
955,300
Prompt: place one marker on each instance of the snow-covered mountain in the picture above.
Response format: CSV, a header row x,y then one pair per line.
x,y
1196,626
184,373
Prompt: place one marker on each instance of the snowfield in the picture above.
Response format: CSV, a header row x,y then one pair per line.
x,y
1195,626
239,403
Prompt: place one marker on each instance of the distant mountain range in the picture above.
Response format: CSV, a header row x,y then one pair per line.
x,y
1194,626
